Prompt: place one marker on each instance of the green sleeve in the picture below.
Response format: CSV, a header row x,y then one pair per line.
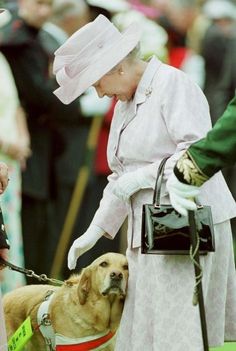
x,y
209,155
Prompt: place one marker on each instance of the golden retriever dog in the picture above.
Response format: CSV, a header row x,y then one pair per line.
x,y
86,305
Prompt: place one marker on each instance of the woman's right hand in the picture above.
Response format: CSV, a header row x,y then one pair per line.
x,y
84,243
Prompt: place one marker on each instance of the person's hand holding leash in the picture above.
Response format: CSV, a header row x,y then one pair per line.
x,y
84,243
181,194
131,182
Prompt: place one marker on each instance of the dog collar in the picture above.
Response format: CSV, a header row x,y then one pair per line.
x,y
94,342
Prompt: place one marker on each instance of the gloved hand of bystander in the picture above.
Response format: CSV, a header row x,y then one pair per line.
x,y
181,195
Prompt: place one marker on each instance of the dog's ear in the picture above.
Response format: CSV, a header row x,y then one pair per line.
x,y
73,280
84,285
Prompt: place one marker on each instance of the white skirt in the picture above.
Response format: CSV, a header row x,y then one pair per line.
x,y
158,313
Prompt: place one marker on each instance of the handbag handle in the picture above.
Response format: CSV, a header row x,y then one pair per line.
x,y
157,191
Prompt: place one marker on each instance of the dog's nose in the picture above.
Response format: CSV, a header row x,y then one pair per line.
x,y
116,275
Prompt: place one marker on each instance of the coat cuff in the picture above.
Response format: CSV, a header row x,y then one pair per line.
x,y
187,171
110,215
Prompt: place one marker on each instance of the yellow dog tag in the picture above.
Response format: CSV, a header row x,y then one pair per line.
x,y
21,336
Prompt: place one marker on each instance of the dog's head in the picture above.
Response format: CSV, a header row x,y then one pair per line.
x,y
107,275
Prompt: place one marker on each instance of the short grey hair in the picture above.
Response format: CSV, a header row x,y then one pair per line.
x,y
135,53
132,55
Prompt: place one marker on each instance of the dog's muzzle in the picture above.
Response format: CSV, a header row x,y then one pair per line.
x,y
116,284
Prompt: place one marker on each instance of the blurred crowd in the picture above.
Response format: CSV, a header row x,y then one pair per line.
x,y
57,153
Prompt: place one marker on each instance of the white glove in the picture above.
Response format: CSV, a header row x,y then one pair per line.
x,y
130,183
84,243
180,195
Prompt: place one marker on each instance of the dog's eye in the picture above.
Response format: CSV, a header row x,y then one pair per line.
x,y
104,264
125,267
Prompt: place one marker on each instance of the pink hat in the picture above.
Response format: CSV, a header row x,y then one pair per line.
x,y
89,54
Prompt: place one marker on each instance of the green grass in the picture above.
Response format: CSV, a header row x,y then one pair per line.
x,y
228,346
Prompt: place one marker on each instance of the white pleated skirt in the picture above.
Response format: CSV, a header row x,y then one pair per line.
x,y
158,313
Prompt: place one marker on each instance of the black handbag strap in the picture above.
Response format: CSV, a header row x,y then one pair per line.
x,y
157,191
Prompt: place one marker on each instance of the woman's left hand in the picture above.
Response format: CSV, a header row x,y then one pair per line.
x,y
3,177
129,183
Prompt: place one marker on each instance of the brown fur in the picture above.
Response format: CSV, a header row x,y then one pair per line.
x,y
85,305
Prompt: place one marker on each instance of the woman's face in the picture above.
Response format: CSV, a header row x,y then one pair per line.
x,y
119,83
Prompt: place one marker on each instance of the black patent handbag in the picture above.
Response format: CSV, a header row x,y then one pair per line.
x,y
165,231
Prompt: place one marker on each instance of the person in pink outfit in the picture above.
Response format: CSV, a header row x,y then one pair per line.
x,y
160,112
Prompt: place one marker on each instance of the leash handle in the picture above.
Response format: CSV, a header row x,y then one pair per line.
x,y
198,278
30,273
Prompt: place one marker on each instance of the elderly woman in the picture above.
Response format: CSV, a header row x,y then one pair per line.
x,y
159,113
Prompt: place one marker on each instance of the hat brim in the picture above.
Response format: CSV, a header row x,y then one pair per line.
x,y
95,71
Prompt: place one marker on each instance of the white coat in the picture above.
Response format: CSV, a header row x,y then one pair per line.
x,y
166,115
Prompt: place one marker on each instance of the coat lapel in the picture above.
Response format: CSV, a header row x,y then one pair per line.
x,y
143,92
128,110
